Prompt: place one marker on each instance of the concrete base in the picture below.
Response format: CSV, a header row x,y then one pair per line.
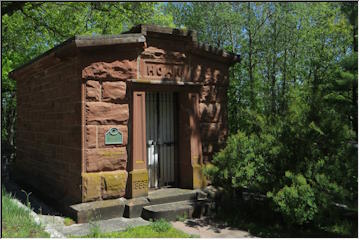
x,y
167,195
172,211
172,203
168,211
99,210
134,207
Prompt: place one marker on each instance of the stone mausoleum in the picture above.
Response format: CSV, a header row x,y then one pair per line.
x,y
103,117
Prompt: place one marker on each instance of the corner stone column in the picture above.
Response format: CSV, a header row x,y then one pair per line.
x,y
195,142
190,154
138,175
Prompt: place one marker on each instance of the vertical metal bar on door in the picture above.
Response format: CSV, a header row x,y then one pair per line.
x,y
160,138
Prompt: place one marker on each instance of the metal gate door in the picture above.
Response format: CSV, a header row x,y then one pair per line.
x,y
160,138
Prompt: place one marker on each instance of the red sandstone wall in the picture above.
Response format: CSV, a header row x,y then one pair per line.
x,y
164,59
213,103
48,134
107,101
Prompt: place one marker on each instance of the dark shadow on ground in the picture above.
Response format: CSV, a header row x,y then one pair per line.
x,y
24,195
257,218
207,222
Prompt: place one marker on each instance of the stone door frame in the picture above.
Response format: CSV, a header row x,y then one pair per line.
x,y
189,154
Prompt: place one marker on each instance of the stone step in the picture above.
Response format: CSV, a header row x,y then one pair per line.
x,y
168,211
98,210
171,211
169,195
134,207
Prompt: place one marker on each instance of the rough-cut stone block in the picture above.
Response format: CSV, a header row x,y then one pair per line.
x,y
109,159
168,195
212,93
90,136
207,158
169,211
91,187
210,147
158,53
134,207
213,131
113,91
114,183
210,112
209,72
138,180
93,90
98,210
119,70
160,71
199,179
103,129
106,113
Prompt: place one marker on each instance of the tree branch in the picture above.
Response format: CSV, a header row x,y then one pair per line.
x,y
39,23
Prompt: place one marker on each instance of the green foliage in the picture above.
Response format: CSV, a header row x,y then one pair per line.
x,y
17,222
94,225
182,218
160,226
301,167
255,216
95,230
343,228
68,221
245,161
292,106
296,202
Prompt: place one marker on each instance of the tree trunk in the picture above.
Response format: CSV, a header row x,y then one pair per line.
x,y
284,84
250,66
273,71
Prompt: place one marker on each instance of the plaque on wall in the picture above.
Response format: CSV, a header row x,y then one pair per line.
x,y
113,136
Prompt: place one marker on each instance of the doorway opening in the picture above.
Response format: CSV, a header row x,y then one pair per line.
x,y
160,138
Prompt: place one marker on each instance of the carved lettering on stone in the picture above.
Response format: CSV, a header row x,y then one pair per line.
x,y
150,70
164,71
143,184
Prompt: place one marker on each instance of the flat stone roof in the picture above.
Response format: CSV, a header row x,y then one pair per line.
x,y
102,40
136,34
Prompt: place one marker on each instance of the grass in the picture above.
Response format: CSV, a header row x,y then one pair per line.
x,y
68,221
158,229
344,228
17,222
182,218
